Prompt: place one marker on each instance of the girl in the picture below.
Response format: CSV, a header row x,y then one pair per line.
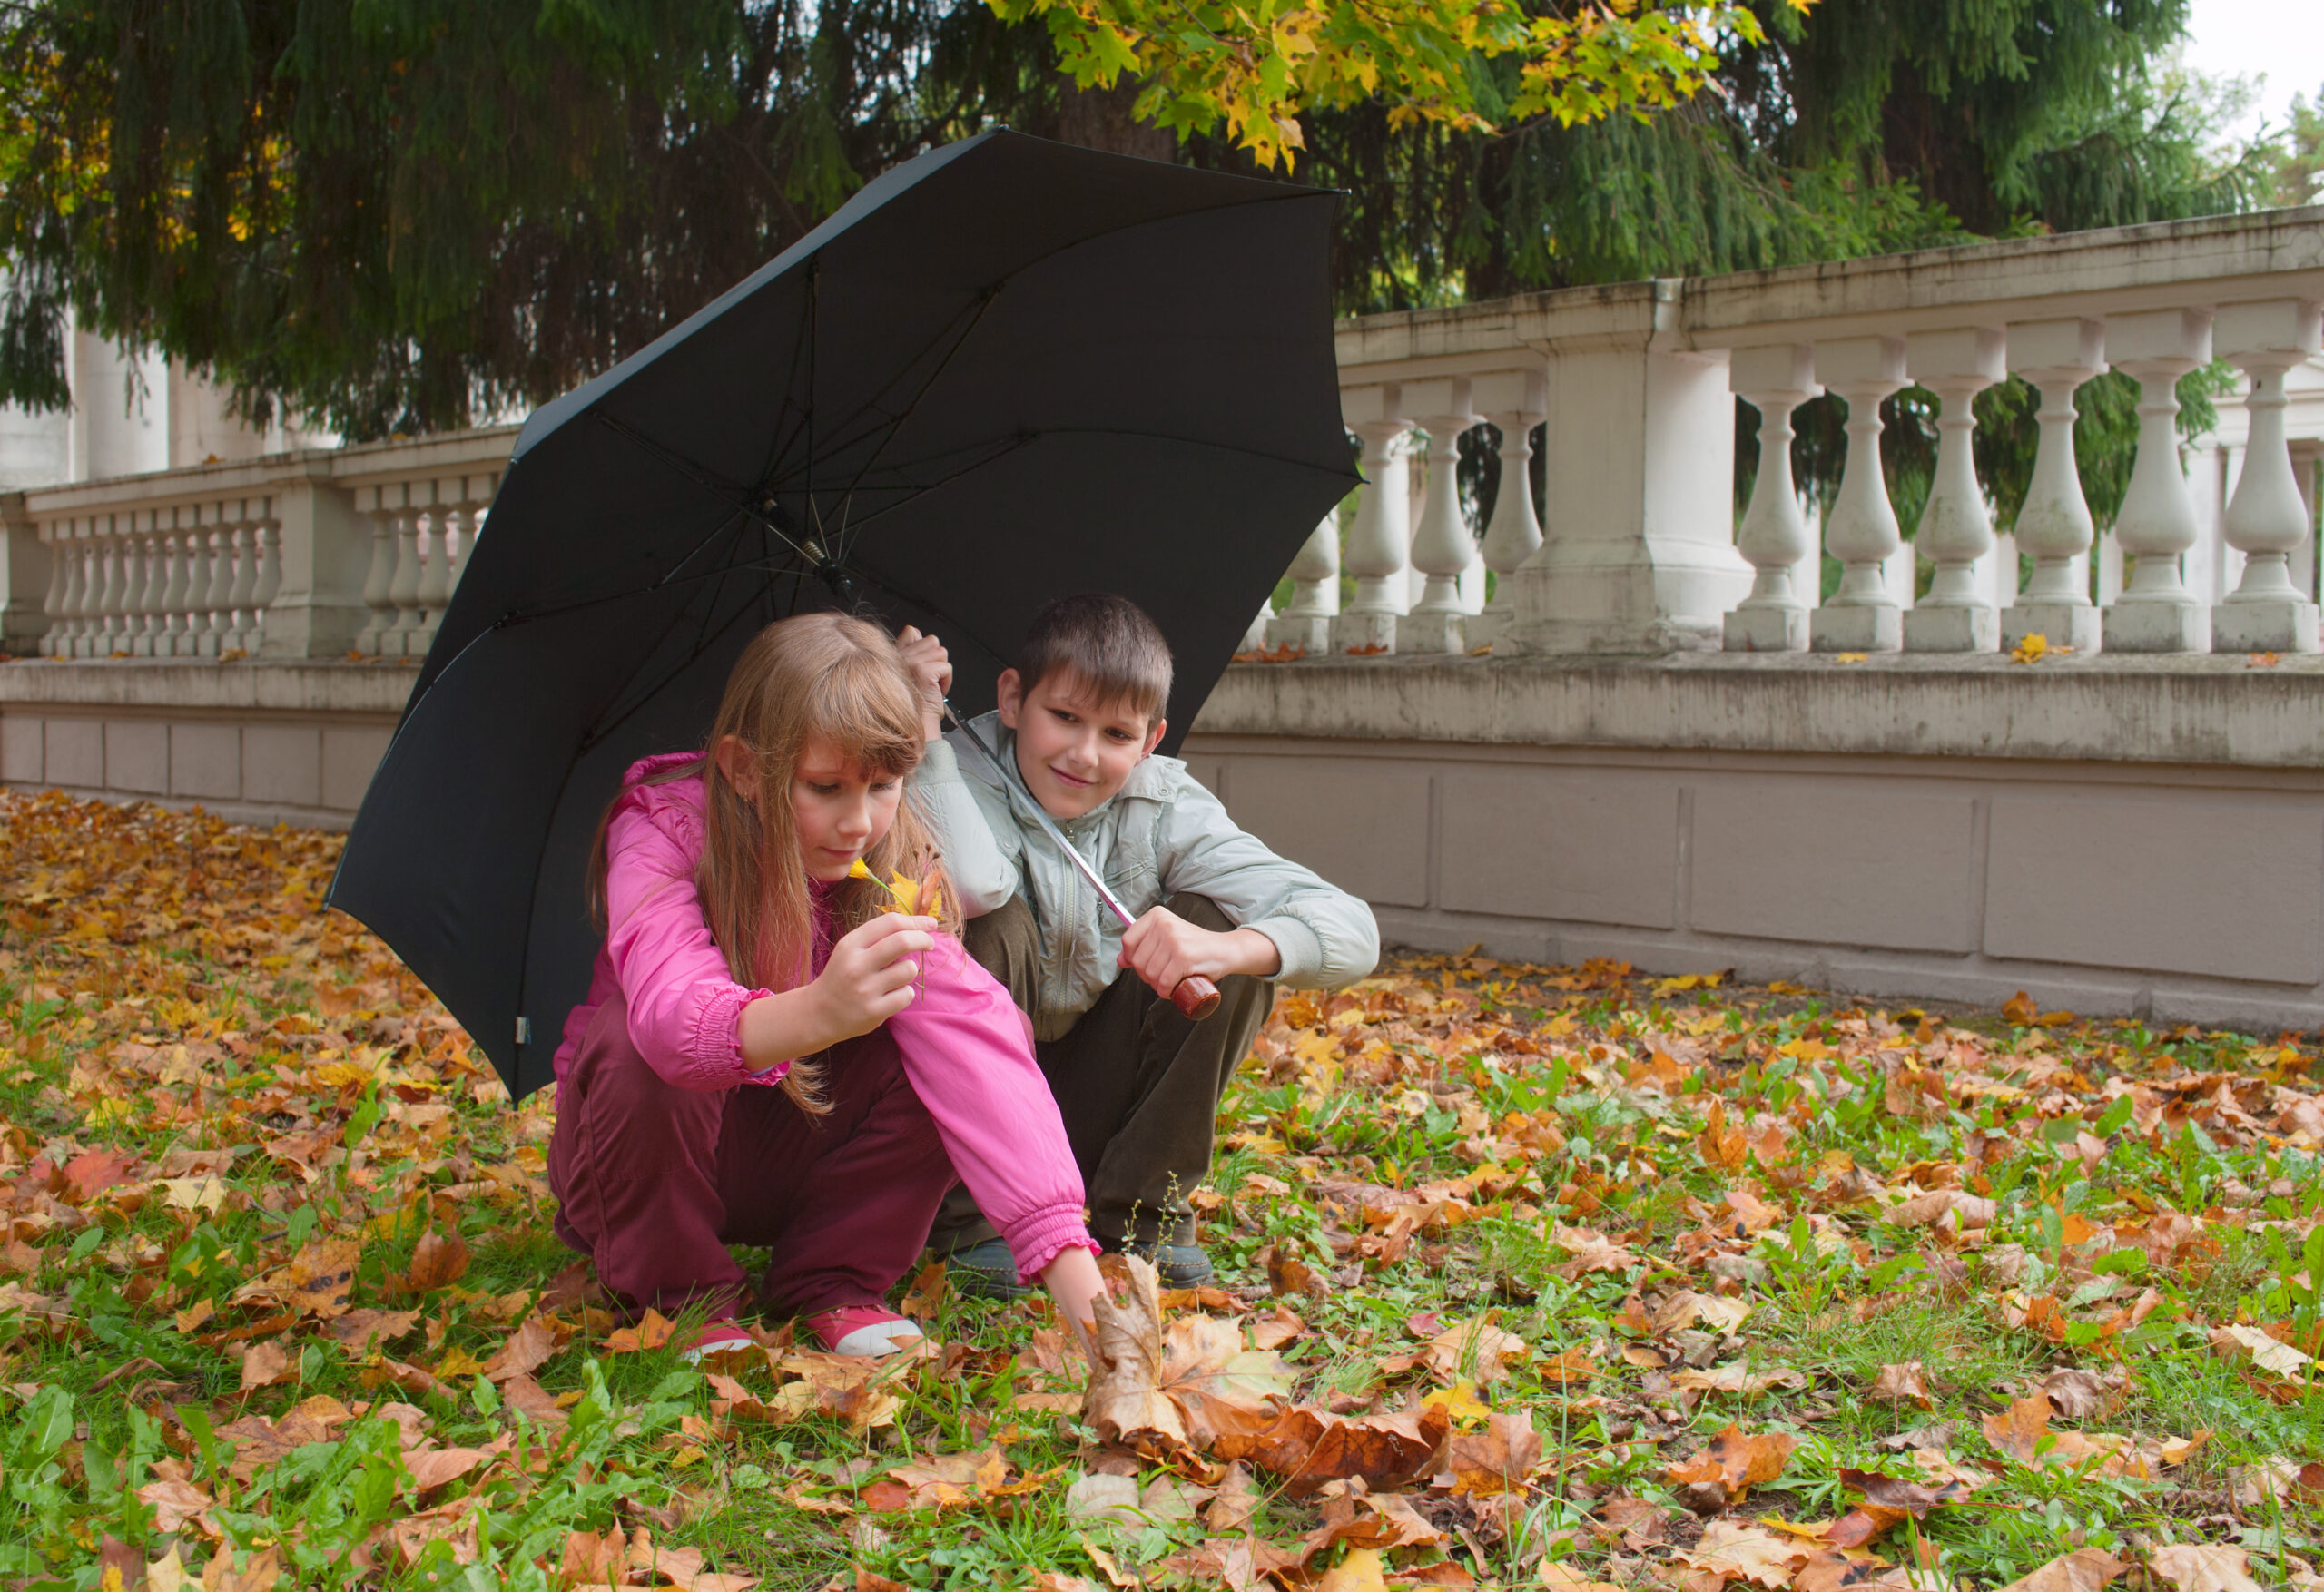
x,y
765,1057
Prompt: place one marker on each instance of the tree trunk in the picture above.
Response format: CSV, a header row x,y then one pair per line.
x,y
1101,118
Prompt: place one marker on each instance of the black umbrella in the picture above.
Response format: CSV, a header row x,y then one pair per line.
x,y
1005,372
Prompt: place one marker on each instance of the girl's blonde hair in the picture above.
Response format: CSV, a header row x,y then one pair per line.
x,y
824,677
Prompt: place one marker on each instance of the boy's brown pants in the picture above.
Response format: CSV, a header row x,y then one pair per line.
x,y
1137,1085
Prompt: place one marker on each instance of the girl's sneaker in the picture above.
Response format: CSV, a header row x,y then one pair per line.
x,y
865,1329
717,1337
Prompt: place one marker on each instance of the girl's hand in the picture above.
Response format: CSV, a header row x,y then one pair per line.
x,y
871,976
932,670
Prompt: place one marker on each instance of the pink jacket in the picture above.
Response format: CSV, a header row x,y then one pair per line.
x,y
965,1047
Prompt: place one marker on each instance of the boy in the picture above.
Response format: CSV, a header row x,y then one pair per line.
x,y
1137,1084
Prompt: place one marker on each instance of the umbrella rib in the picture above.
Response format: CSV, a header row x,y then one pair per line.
x,y
984,302
723,491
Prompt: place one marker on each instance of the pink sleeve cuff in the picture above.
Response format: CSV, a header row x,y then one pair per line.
x,y
1042,1236
717,1043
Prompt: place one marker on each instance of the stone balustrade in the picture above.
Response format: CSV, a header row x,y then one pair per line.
x,y
1636,389
319,552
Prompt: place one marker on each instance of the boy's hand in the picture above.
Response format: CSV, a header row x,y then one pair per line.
x,y
871,976
1163,948
932,670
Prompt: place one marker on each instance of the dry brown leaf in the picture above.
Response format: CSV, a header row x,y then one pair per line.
x,y
1361,1571
318,1278
2077,1394
1903,1382
524,1394
1477,1349
2018,1430
1746,1553
2086,1569
440,1261
432,1468
176,1502
359,1331
1736,1461
1308,1447
1497,1459
652,1332
526,1350
2203,1566
263,1365
258,1572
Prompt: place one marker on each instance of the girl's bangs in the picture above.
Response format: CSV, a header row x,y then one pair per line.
x,y
866,712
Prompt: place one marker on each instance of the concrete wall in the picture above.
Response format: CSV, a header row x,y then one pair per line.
x,y
2132,835
2186,890
256,742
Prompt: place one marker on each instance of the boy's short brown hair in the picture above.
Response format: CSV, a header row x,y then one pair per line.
x,y
1105,642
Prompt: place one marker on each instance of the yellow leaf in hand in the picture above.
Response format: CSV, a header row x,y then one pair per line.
x,y
905,890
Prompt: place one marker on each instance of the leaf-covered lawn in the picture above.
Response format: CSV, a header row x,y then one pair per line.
x,y
1530,1276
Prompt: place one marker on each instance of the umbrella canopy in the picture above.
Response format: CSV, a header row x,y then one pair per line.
x,y
1005,372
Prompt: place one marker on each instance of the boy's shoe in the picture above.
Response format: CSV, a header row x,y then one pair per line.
x,y
1178,1265
865,1330
985,1271
721,1336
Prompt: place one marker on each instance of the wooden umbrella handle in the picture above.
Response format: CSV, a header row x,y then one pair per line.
x,y
1195,996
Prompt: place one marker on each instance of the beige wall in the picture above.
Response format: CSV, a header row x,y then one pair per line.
x,y
2181,893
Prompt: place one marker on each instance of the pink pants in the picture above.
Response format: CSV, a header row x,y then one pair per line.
x,y
654,1182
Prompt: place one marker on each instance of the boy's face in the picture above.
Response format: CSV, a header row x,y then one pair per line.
x,y
1074,751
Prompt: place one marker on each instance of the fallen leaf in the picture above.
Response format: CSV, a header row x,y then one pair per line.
x,y
2086,1569
2018,1430
526,1351
439,1261
318,1278
263,1365
2203,1566
1903,1382
1736,1461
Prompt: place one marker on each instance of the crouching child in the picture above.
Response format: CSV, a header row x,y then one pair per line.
x,y
1138,1083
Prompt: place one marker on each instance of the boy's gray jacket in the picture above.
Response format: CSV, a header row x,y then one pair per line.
x,y
1160,835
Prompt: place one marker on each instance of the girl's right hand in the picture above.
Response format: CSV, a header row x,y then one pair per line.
x,y
871,974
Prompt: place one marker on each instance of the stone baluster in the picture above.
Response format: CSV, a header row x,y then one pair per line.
x,y
2306,455
170,637
1955,532
239,598
161,560
436,576
370,640
199,522
402,636
2053,524
81,551
1442,547
473,514
96,638
2156,613
1305,621
2267,520
137,559
1515,401
112,596
266,547
1774,536
65,557
218,598
1378,543
1863,615
53,600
